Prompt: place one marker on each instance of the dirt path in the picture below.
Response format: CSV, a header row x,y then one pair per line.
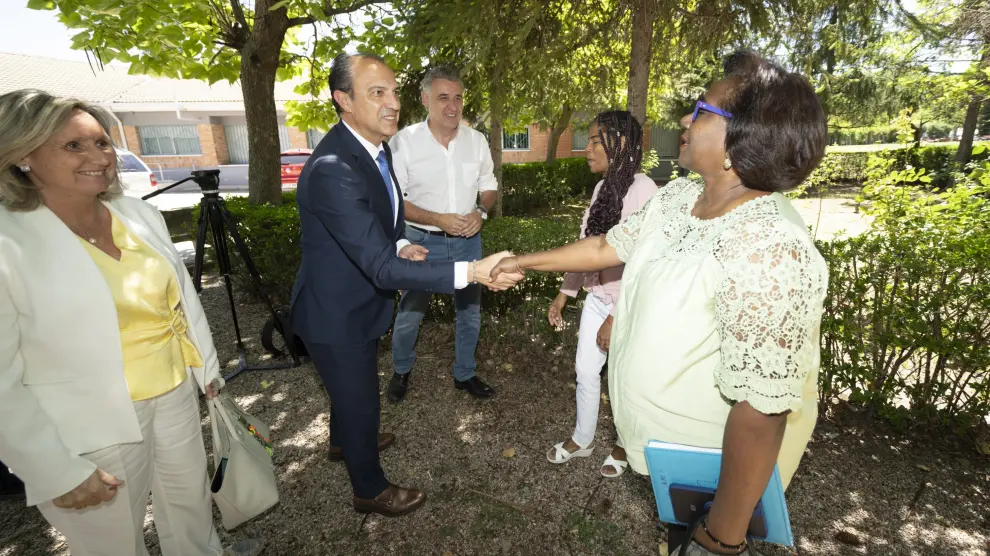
x,y
859,484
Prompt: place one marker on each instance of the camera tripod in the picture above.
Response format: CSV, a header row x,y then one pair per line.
x,y
214,215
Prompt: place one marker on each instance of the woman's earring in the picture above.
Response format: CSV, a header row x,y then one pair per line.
x,y
25,168
728,163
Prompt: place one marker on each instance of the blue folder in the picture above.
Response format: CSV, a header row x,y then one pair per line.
x,y
690,470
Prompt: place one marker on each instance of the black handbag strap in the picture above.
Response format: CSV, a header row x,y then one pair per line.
x,y
692,529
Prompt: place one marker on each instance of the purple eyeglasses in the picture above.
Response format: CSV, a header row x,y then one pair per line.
x,y
702,105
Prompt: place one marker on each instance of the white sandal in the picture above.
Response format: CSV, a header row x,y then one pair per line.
x,y
618,465
558,454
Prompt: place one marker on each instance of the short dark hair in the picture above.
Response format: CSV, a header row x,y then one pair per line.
x,y
342,74
778,130
446,73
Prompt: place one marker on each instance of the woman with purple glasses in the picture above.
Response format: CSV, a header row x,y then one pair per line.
x,y
716,337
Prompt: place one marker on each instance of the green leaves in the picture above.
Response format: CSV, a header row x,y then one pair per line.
x,y
41,5
314,114
907,316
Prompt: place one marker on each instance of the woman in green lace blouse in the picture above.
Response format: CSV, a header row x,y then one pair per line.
x,y
716,339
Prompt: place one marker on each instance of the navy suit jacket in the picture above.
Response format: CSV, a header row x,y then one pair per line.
x,y
345,290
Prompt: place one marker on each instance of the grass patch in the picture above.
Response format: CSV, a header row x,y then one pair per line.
x,y
493,519
594,533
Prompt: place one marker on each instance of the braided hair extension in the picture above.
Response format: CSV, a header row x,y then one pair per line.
x,y
622,138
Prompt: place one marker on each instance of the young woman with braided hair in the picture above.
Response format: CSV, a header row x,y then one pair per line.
x,y
615,150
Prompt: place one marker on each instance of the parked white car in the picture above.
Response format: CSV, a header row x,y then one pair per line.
x,y
137,178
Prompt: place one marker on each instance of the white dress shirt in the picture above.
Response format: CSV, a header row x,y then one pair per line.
x,y
439,179
460,268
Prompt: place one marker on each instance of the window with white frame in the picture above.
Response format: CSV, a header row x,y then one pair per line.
x,y
579,139
515,141
169,140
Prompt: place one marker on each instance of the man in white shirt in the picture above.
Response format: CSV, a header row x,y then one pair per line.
x,y
443,168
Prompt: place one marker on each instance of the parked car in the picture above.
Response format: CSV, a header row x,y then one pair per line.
x,y
293,161
137,178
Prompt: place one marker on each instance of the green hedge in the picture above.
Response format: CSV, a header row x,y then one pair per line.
x,y
273,239
938,161
906,330
838,168
530,187
851,168
865,136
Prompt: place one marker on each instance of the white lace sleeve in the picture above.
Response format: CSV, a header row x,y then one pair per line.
x,y
624,235
769,308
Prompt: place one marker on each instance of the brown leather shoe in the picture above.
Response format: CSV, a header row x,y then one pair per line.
x,y
395,501
385,440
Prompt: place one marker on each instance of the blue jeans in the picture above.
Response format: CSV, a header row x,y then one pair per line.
x,y
467,302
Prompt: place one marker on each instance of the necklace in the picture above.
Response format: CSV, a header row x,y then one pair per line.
x,y
91,238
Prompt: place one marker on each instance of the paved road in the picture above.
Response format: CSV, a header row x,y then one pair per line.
x,y
831,218
233,181
232,177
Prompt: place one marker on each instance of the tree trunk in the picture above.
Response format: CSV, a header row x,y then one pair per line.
x,y
829,56
965,151
640,57
919,131
496,149
984,126
495,145
556,131
259,65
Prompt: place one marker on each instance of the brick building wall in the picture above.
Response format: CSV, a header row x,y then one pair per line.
x,y
212,144
133,141
220,143
297,139
215,152
539,140
207,145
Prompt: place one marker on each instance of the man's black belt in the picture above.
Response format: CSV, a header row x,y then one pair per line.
x,y
440,233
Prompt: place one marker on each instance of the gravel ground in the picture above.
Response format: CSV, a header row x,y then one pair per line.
x,y
491,492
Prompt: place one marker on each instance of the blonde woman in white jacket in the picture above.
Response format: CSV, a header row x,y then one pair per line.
x,y
101,337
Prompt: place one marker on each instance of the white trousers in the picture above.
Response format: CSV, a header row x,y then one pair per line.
x,y
170,463
588,364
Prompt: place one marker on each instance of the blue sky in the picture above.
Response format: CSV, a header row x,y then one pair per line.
x,y
35,32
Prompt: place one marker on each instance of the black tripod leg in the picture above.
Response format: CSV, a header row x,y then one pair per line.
x,y
201,226
223,261
259,287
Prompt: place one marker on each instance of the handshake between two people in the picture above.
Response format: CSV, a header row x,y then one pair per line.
x,y
497,272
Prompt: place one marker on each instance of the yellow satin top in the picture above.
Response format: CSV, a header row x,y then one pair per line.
x,y
153,328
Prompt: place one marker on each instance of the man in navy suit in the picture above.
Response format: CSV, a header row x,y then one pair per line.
x,y
354,260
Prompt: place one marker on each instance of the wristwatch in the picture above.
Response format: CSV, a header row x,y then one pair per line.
x,y
484,213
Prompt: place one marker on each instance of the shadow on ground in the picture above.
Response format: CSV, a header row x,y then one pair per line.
x,y
858,490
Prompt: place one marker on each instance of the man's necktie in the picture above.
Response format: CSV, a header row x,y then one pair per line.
x,y
387,176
